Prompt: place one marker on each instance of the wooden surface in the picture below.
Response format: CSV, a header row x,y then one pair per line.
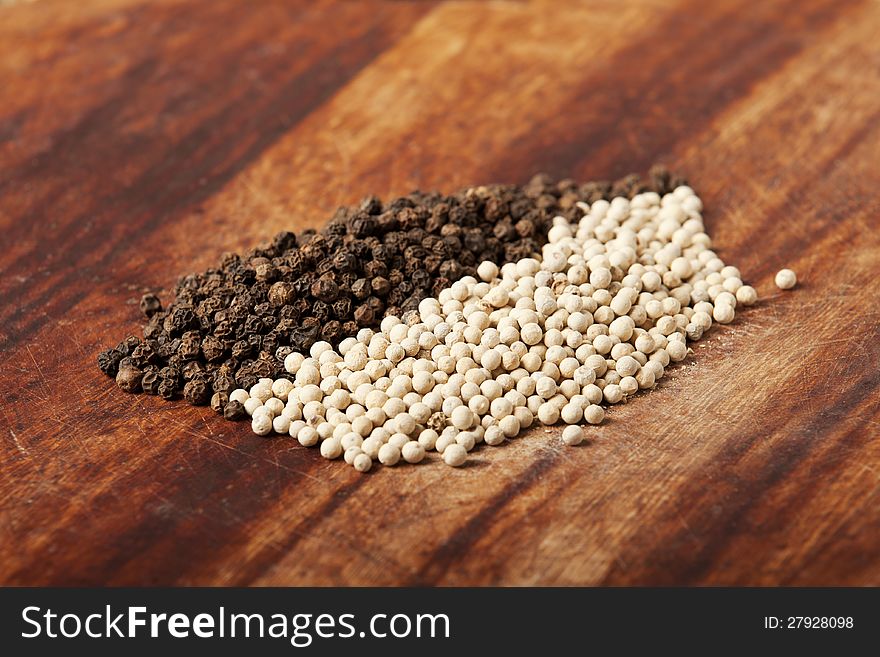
x,y
139,140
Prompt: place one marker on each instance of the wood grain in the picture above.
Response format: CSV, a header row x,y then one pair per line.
x,y
139,140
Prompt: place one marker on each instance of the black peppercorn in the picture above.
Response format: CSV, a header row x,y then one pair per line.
x,y
223,382
197,391
150,383
380,286
364,315
361,288
234,410
150,305
219,401
192,369
127,346
281,293
167,389
129,378
108,361
213,348
325,289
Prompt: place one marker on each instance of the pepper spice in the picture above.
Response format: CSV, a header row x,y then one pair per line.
x,y
370,260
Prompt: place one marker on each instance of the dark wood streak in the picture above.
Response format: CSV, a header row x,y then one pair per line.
x,y
748,492
793,201
615,115
250,571
161,193
456,546
169,512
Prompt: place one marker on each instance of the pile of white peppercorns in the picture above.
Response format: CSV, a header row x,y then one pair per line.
x,y
611,302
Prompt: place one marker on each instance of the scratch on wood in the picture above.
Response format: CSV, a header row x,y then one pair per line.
x,y
18,445
39,369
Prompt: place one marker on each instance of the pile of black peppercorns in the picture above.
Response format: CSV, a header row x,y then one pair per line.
x,y
230,326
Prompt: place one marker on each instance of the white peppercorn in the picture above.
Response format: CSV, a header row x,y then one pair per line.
x,y
597,320
785,279
350,439
573,435
723,313
455,455
466,439
629,385
350,454
444,441
331,448
389,454
746,295
398,440
251,405
594,414
571,413
239,395
308,436
548,413
612,393
261,424
275,405
428,438
362,462
281,424
371,446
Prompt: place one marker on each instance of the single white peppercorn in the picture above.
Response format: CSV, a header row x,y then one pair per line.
x,y
573,435
307,436
261,424
350,454
627,366
331,448
240,395
281,424
455,455
389,454
509,425
413,452
428,439
531,334
274,405
571,413
746,295
444,441
723,313
261,391
545,387
466,439
281,387
350,439
629,385
461,417
612,393
405,423
494,435
252,404
548,413
785,279
398,440
362,462
500,407
371,446
594,414
677,350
